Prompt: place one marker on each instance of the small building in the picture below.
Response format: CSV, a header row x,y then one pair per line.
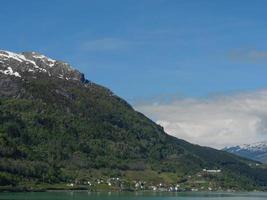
x,y
214,171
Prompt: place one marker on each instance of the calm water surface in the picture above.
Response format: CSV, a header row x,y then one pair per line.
x,y
130,196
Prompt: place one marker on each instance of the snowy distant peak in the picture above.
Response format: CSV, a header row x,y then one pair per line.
x,y
256,151
259,146
31,64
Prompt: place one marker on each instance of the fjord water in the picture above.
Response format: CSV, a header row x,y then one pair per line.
x,y
69,195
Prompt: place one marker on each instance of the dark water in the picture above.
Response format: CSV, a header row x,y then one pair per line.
x,y
131,196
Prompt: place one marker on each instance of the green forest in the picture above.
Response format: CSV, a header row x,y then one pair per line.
x,y
59,132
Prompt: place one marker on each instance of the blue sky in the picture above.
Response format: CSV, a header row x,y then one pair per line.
x,y
150,48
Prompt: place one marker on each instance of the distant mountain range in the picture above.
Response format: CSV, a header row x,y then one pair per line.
x,y
60,130
256,151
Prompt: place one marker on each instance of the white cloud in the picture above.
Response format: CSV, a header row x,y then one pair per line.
x,y
216,122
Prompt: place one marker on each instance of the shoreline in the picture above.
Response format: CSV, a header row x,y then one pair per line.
x,y
29,190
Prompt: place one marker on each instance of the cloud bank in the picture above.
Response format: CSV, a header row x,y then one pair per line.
x,y
216,121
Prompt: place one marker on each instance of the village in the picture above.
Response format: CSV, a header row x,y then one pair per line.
x,y
204,180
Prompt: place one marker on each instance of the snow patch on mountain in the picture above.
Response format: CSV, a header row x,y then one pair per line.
x,y
20,58
10,71
17,57
27,63
11,55
50,62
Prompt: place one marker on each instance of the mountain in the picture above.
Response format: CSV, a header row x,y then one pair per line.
x,y
255,151
59,130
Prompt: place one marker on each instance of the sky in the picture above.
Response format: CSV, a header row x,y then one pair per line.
x,y
187,64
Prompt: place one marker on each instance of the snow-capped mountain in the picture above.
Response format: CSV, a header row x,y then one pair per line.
x,y
32,64
256,151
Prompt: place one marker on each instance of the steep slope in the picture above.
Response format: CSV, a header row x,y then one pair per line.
x,y
256,151
58,127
